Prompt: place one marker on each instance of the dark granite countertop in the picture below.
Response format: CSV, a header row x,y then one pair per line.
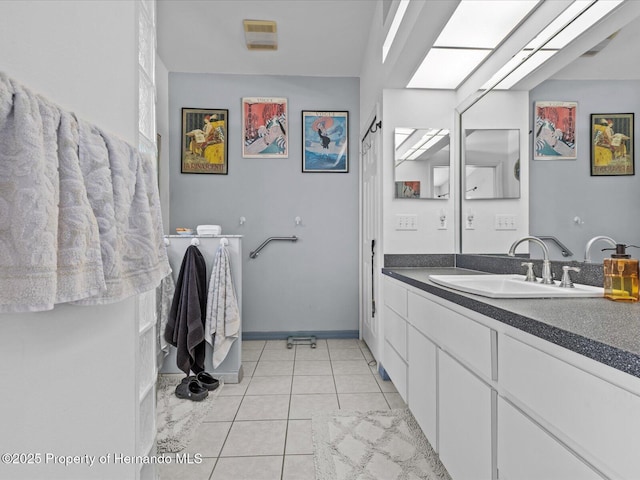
x,y
598,328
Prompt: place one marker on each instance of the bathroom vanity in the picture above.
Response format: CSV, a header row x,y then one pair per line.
x,y
516,388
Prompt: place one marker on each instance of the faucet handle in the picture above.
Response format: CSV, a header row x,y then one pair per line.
x,y
566,278
530,276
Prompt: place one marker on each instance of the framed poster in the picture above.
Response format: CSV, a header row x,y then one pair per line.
x,y
555,131
612,144
325,141
264,125
204,141
408,189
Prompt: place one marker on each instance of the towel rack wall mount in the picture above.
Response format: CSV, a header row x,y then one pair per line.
x,y
255,253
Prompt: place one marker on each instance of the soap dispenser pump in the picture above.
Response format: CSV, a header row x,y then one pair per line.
x,y
621,275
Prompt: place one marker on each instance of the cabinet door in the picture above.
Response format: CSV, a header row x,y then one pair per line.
x,y
422,384
526,452
464,436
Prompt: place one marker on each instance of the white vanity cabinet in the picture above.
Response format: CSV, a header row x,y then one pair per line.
x,y
596,418
498,403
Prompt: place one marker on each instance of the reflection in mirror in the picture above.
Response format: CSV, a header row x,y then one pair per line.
x,y
492,164
422,159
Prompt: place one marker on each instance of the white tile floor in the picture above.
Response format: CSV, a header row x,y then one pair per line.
x,y
260,429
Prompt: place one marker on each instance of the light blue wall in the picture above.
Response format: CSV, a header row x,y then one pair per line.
x,y
564,189
310,285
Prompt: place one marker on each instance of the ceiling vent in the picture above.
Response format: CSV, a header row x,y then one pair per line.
x,y
592,52
261,34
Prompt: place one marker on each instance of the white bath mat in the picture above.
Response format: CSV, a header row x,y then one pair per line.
x,y
373,445
177,419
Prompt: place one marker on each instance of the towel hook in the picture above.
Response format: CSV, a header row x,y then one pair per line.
x,y
167,242
195,242
224,242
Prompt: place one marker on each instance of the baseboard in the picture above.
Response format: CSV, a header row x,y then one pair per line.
x,y
285,335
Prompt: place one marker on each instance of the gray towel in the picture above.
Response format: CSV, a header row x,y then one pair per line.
x,y
185,327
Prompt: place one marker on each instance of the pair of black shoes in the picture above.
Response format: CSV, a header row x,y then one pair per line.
x,y
196,387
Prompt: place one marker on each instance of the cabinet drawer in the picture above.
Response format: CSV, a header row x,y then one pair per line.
x,y
600,420
395,296
466,339
464,440
397,370
526,452
395,331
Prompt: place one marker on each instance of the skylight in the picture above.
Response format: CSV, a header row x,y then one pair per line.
x,y
477,27
393,30
570,24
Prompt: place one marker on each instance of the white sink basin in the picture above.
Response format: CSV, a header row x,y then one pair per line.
x,y
512,286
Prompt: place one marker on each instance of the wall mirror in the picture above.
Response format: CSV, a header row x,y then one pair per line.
x,y
421,163
491,163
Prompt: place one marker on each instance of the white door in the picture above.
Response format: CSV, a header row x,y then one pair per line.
x,y
370,262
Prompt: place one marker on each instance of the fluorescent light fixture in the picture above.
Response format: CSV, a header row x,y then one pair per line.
x,y
446,67
425,142
401,134
581,24
483,24
570,24
393,29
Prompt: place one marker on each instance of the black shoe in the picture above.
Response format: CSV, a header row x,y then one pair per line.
x,y
191,389
207,381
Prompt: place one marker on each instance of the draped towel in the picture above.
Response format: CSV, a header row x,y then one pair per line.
x,y
80,213
185,327
222,324
164,299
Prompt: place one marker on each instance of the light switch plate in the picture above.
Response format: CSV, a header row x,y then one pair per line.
x,y
406,221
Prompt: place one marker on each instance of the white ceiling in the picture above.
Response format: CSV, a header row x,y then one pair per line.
x,y
317,38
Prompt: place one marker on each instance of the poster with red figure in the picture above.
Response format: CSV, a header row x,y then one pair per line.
x,y
555,131
264,128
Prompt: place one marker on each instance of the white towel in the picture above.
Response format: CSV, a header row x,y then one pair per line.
x,y
80,216
222,323
28,203
124,195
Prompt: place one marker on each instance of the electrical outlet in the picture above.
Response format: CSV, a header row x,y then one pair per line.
x,y
505,222
406,222
442,222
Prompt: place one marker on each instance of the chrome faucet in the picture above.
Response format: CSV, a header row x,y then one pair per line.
x,y
587,250
546,264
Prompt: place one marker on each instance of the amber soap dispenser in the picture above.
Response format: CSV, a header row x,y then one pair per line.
x,y
621,275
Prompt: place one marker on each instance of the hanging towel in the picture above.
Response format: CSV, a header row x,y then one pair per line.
x,y
49,250
80,216
185,327
124,196
164,298
223,316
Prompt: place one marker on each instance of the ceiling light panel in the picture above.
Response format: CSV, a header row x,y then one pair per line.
x,y
446,67
483,24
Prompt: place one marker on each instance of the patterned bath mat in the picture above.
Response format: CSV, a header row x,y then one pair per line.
x,y
373,445
176,418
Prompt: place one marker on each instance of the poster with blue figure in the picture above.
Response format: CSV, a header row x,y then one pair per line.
x,y
325,141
